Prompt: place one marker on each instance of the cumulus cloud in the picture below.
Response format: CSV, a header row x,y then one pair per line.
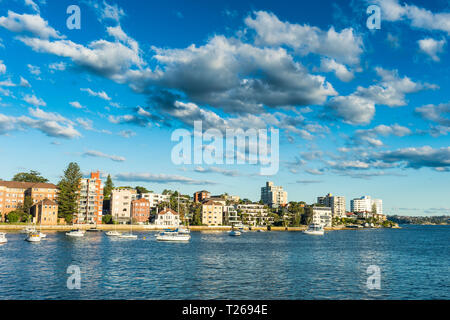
x,y
57,66
370,135
417,17
391,90
33,5
340,70
29,24
98,154
418,157
51,124
432,47
436,113
344,46
159,178
33,100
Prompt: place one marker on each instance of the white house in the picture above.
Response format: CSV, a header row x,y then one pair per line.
x,y
167,218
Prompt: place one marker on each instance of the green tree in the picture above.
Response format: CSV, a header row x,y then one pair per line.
x,y
109,186
68,192
32,176
142,190
107,219
374,208
27,204
13,217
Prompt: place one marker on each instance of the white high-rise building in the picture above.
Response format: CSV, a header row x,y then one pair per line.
x,y
336,203
273,196
365,204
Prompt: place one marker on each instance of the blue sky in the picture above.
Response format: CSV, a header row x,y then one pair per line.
x,y
359,111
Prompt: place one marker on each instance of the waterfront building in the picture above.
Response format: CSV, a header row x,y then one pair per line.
x,y
234,199
230,216
168,218
90,200
13,193
121,199
336,203
201,196
140,210
154,198
364,204
322,215
45,212
254,214
273,196
212,213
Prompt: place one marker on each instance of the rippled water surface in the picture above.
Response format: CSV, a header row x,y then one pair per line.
x,y
414,263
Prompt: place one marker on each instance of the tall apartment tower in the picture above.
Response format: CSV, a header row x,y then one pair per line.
x,y
273,196
90,201
336,203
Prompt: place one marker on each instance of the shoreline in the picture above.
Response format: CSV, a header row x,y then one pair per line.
x,y
107,227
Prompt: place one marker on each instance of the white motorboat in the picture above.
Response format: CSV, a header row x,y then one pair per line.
x,y
172,236
183,230
43,235
28,229
128,236
3,238
33,237
76,233
113,233
234,233
315,230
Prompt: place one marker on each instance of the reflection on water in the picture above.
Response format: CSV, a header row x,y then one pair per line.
x,y
414,264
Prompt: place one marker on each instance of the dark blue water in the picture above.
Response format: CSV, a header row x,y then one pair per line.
x,y
414,263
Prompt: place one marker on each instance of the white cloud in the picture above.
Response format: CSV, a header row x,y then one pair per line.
x,y
112,12
353,109
99,154
24,83
33,100
35,70
159,178
76,105
2,67
101,94
432,47
343,46
340,70
32,5
57,66
30,24
417,17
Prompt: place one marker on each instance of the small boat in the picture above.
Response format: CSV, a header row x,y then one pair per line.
x,y
43,235
3,238
183,230
172,235
113,233
94,230
128,236
33,237
76,233
260,230
315,230
234,233
28,229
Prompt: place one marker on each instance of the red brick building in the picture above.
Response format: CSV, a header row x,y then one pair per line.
x,y
200,196
140,210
